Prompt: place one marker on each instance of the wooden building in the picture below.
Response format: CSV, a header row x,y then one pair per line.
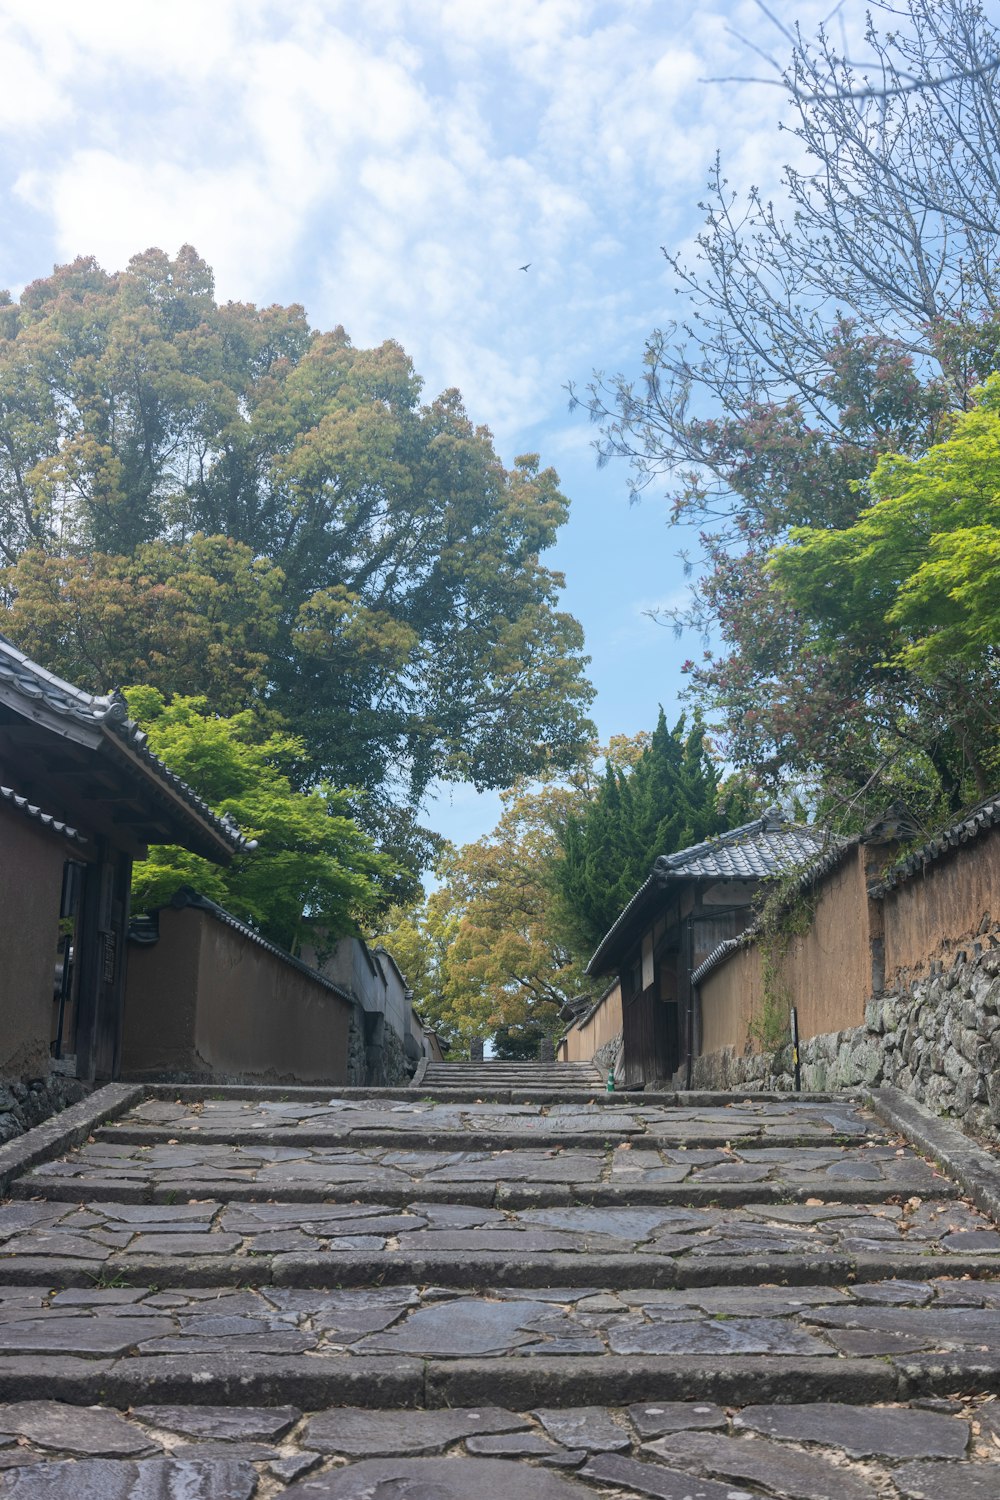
x,y
691,902
81,797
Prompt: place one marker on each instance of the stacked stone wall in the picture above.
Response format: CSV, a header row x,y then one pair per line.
x,y
609,1057
24,1105
937,1040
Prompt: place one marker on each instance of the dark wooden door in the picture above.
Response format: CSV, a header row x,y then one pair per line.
x,y
646,1038
101,979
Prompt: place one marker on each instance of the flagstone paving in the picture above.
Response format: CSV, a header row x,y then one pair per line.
x,y
494,1295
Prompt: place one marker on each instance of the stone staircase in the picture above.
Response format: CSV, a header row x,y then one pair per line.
x,y
520,1293
496,1077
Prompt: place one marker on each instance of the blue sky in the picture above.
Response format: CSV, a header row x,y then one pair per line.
x,y
390,165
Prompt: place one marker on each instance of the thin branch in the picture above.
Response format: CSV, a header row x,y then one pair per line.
x,y
963,75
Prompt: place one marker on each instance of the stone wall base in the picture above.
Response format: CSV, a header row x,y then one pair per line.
x,y
376,1056
24,1105
609,1057
938,1040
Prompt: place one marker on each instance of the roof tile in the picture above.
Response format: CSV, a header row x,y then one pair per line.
x,y
33,682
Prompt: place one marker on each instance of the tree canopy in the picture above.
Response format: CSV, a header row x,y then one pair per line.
x,y
826,331
911,585
312,858
213,497
488,950
668,799
501,943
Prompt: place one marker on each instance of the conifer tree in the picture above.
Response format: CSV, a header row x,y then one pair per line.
x,y
667,801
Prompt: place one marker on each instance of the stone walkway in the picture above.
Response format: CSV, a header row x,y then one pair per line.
x,y
498,1292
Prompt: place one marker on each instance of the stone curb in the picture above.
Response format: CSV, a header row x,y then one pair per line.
x,y
944,1374
602,1138
517,1383
521,1383
61,1132
216,1379
723,1195
418,1076
498,1093
478,1272
465,1094
976,1171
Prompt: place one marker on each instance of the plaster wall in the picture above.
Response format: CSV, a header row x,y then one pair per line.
x,y
161,997
398,1007
208,1001
582,1043
826,973
31,863
935,914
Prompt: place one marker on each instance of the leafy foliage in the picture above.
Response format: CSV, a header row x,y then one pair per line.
x,y
822,336
668,800
501,944
195,617
280,516
911,585
312,857
489,951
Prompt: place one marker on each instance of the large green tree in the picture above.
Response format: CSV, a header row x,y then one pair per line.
x,y
200,616
912,586
415,634
490,951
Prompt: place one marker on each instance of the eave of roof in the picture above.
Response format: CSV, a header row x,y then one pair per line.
x,y
970,826
759,850
47,820
92,721
601,959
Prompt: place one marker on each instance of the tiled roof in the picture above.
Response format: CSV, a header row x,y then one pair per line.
x,y
982,818
31,811
715,958
756,851
37,693
760,850
836,848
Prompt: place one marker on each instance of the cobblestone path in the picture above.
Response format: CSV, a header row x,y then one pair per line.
x,y
497,1293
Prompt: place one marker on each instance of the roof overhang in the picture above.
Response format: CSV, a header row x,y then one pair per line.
x,y
82,755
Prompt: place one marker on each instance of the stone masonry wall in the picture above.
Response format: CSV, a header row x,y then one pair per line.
x,y
376,1056
938,1040
608,1058
24,1105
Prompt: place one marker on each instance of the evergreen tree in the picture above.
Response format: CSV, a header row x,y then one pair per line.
x,y
668,801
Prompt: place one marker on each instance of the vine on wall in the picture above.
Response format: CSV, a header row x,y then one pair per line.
x,y
785,914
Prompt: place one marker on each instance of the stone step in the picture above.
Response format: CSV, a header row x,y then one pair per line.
x,y
859,1343
417,1122
664,1447
678,1262
452,1244
479,1271
533,1175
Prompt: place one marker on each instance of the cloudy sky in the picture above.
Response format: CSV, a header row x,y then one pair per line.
x,y
390,165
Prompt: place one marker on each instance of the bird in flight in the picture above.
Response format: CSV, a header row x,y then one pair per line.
x,y
524,268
